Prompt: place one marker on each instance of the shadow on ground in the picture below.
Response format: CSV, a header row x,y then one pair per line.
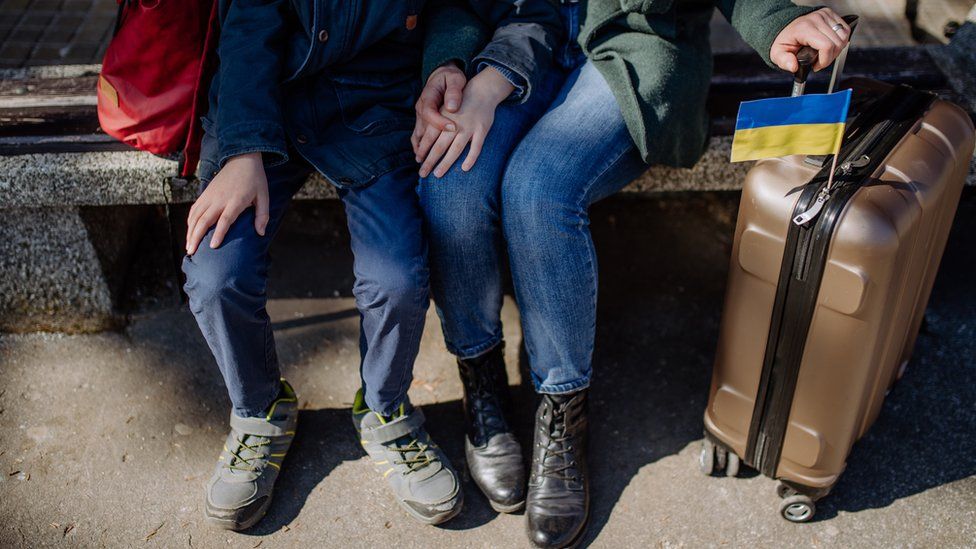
x,y
156,409
663,265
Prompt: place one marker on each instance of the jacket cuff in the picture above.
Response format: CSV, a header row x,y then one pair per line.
x,y
454,36
516,72
776,21
248,137
519,82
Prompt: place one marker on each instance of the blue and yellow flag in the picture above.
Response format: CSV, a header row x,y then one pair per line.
x,y
806,124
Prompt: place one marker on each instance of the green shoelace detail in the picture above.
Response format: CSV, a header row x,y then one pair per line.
x,y
420,458
238,459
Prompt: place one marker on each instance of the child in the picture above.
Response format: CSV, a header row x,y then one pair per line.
x,y
303,86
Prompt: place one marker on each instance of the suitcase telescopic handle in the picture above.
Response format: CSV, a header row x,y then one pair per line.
x,y
807,57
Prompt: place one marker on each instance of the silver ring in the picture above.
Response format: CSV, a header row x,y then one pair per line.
x,y
837,27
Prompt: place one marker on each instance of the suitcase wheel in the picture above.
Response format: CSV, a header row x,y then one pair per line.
x,y
716,458
706,460
797,508
784,491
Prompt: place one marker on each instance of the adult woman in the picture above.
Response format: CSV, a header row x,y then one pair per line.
x,y
634,81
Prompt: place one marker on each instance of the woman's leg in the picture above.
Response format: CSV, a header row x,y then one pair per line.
x,y
579,152
461,210
461,213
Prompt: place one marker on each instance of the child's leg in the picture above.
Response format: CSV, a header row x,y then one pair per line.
x,y
390,252
227,294
391,292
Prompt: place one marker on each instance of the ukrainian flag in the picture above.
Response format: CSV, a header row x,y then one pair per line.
x,y
806,124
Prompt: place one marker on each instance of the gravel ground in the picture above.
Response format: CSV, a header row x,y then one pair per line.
x,y
108,439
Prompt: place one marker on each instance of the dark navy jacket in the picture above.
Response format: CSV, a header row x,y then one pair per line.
x,y
335,81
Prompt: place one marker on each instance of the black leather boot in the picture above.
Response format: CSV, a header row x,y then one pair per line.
x,y
558,504
493,454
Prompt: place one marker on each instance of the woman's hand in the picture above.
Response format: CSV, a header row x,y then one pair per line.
x,y
481,96
443,89
240,184
822,30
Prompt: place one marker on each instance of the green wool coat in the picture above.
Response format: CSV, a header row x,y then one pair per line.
x,y
657,59
655,55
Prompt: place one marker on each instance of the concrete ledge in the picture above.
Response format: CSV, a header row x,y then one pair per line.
x,y
128,178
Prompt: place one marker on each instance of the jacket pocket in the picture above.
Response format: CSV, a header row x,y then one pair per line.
x,y
373,103
646,7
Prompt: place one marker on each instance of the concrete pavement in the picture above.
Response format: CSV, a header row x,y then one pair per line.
x,y
107,440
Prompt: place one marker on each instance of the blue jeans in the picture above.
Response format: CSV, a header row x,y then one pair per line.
x,y
227,289
543,164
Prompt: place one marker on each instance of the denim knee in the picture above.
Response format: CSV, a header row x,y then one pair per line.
x,y
532,202
393,286
217,276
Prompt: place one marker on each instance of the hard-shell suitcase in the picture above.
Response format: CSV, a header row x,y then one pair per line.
x,y
820,318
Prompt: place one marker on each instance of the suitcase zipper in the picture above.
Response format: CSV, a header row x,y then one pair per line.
x,y
823,196
816,215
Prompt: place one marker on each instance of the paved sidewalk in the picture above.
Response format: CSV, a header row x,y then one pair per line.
x,y
54,32
108,439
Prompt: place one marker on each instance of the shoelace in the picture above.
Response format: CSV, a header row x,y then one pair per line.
x,y
486,408
242,445
418,460
558,448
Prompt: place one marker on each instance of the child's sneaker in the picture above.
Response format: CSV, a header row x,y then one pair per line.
x,y
422,479
239,492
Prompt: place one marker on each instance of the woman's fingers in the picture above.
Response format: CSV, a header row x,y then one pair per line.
x,y
819,41
436,152
429,106
784,59
837,24
826,26
426,142
453,94
477,141
419,128
457,147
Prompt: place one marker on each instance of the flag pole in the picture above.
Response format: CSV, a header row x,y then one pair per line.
x,y
833,169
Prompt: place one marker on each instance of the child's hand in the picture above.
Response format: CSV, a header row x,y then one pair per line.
x,y
240,184
822,30
481,95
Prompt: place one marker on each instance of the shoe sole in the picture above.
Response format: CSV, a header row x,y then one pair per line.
x,y
437,519
500,508
232,524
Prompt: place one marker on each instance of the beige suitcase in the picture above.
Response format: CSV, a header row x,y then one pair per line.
x,y
820,319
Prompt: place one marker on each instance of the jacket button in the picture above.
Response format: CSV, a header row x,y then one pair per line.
x,y
302,139
323,36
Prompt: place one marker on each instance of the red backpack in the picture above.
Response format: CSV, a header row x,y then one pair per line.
x,y
153,86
